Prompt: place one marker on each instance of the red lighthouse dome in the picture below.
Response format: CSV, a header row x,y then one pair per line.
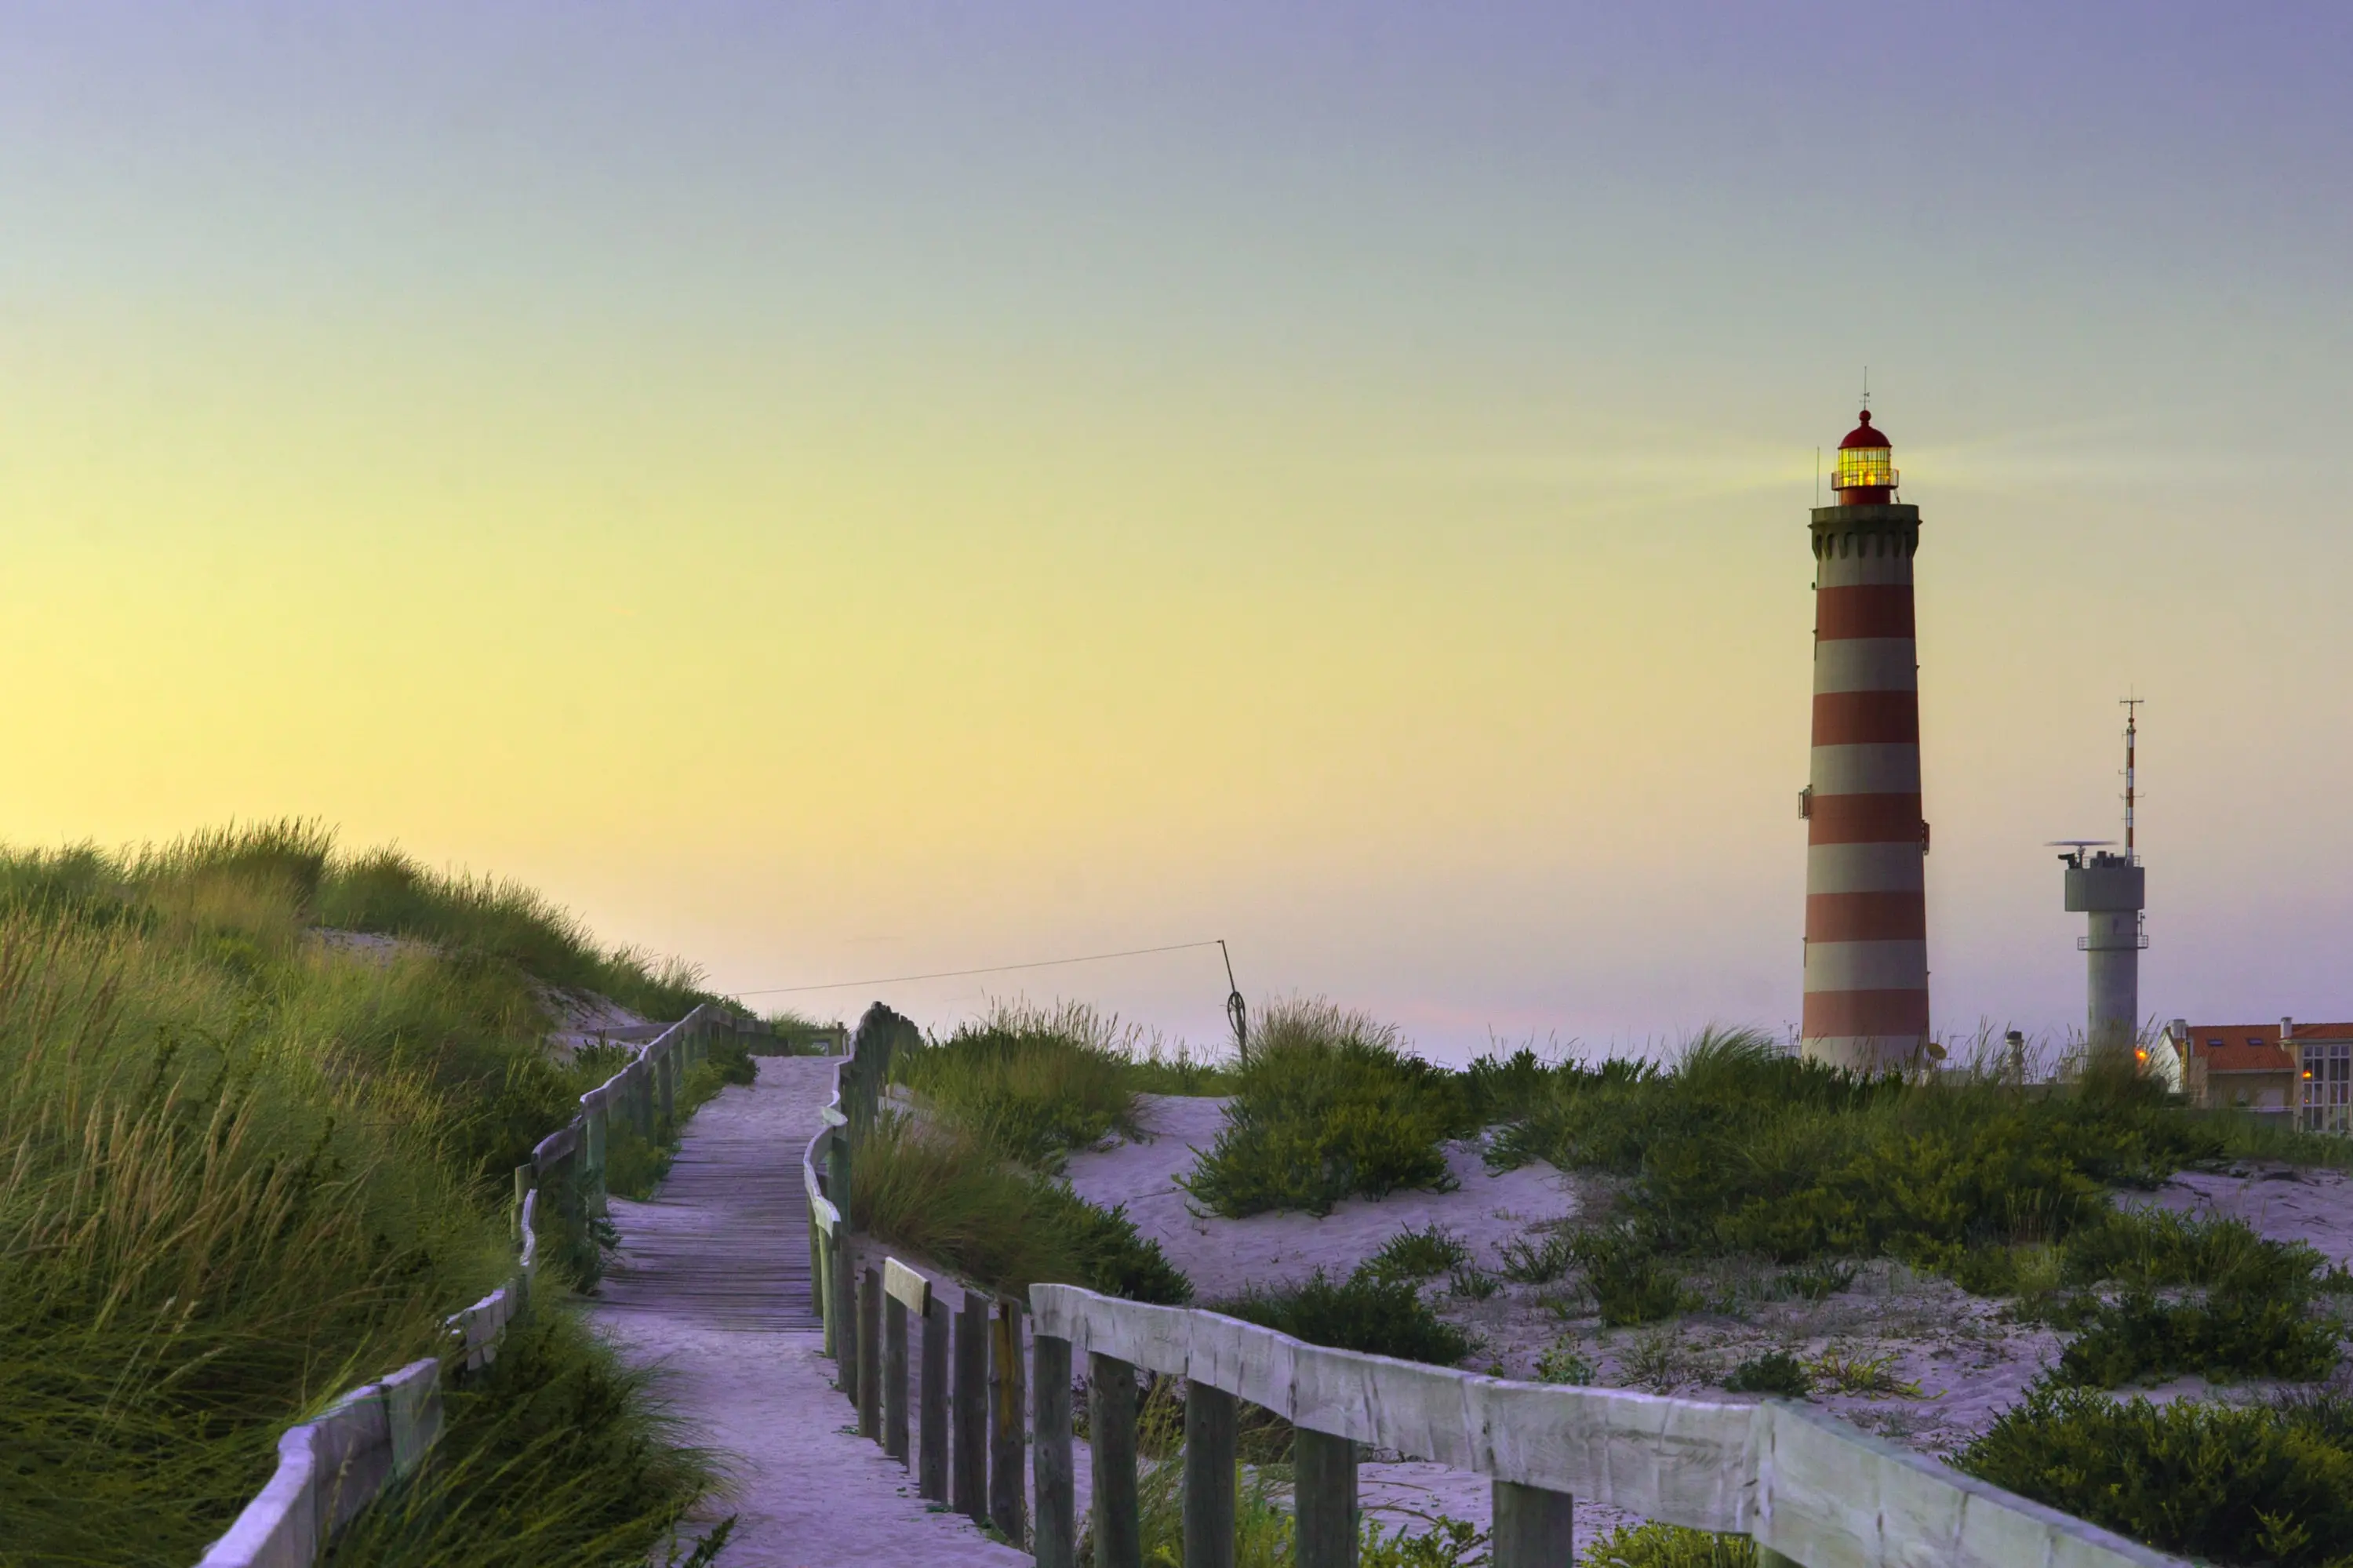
x,y
1866,472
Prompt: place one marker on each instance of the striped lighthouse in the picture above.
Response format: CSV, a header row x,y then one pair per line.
x,y
1866,1003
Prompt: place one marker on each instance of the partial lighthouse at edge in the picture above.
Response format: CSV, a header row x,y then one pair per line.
x,y
1866,997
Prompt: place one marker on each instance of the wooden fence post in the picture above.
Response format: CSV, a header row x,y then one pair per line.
x,y
1110,1447
1210,1431
1051,1454
869,1355
1533,1527
821,1286
1324,1468
894,1376
932,1434
845,1314
969,1472
593,1133
1008,1409
666,1088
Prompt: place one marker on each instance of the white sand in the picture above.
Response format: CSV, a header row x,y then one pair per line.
x,y
1968,1364
1221,1256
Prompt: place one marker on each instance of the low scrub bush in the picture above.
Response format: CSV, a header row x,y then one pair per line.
x,y
1362,1312
1326,1106
1668,1546
2155,1248
1537,1260
2248,1485
1424,1254
2142,1339
1033,1082
1562,1361
1774,1371
947,1193
1629,1282
1846,1372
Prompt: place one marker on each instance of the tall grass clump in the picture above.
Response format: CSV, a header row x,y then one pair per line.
x,y
557,1455
1376,1312
1328,1104
241,1172
945,1192
2270,1484
1033,1082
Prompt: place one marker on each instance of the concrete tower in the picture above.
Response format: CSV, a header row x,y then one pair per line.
x,y
1866,919
2112,890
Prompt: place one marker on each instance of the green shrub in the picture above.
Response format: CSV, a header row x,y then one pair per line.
x,y
1326,1106
1034,1083
1362,1312
1424,1254
2141,1339
1774,1371
1563,1363
2247,1484
1738,1146
1539,1262
1668,1546
2156,1248
1472,1284
1630,1283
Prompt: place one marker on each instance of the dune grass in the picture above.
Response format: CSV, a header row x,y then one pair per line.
x,y
948,1192
554,1455
1328,1104
240,1171
1371,1310
1033,1082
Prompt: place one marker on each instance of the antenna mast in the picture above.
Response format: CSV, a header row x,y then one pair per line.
x,y
2132,731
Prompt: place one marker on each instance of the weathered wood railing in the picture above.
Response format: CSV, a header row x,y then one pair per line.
x,y
332,1467
1810,1489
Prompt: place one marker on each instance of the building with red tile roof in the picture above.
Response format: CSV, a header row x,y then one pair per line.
x,y
2300,1073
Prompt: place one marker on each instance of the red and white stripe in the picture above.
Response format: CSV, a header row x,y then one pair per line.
x,y
1866,921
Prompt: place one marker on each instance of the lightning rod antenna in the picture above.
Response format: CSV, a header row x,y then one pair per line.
x,y
2132,735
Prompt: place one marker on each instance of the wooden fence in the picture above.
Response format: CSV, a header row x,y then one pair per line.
x,y
1813,1492
332,1467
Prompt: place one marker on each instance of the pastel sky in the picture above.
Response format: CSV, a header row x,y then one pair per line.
x,y
849,489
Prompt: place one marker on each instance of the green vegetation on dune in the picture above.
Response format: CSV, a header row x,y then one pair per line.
x,y
1328,1104
1381,1314
241,1171
1033,1083
2255,1484
950,1195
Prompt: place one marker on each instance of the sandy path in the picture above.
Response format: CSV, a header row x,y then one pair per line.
x,y
712,1288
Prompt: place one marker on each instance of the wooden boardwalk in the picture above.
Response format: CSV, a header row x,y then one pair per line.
x,y
724,1243
712,1290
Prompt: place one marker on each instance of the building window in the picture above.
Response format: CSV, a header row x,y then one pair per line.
x,y
2328,1086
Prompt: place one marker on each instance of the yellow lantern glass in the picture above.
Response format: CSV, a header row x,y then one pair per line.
x,y
1866,468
